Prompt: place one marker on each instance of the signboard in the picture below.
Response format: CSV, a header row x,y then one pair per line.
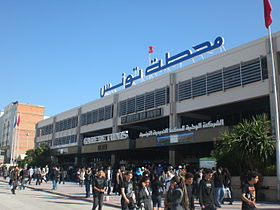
x,y
157,66
191,127
104,138
176,138
142,116
207,162
102,147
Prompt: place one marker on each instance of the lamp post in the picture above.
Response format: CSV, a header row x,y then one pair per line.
x,y
27,134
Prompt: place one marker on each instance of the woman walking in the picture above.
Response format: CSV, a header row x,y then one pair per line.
x,y
177,195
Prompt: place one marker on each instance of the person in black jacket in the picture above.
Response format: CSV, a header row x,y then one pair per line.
x,y
157,191
206,191
127,192
99,186
54,176
190,189
144,194
88,180
248,195
177,195
219,186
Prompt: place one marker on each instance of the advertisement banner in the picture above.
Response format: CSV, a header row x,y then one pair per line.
x,y
175,138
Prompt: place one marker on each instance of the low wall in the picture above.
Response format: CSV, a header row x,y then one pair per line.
x,y
267,191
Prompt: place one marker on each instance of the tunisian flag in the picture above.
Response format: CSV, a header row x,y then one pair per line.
x,y
18,120
151,49
267,12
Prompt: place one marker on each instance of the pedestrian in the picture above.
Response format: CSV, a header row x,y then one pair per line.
x,y
23,173
168,177
43,175
5,173
99,186
81,177
157,192
189,185
227,184
62,175
144,194
14,176
109,175
119,178
197,178
54,176
127,192
30,174
248,195
219,187
38,176
88,180
206,191
177,195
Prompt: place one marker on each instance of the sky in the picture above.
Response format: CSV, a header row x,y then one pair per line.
x,y
59,53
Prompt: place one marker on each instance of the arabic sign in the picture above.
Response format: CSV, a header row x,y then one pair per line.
x,y
157,65
108,137
142,116
191,127
177,138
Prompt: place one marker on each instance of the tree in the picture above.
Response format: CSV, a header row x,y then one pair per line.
x,y
39,156
249,145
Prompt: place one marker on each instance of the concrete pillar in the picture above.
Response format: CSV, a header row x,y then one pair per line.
x,y
114,160
115,128
174,120
172,157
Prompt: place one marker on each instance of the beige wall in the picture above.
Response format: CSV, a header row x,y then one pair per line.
x,y
110,146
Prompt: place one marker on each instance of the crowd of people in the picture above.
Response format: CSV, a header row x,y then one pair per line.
x,y
144,187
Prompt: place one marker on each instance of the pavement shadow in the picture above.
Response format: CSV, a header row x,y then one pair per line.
x,y
59,202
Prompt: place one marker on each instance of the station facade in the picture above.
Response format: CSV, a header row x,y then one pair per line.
x,y
175,118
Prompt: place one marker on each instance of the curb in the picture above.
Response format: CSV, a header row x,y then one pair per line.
x,y
67,195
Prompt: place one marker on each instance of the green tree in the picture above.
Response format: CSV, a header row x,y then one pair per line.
x,y
249,145
39,156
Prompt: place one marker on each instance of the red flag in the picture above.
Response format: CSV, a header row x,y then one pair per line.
x,y
151,49
267,12
18,120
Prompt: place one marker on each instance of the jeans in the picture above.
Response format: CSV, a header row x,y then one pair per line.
x,y
98,201
54,183
219,195
87,186
109,186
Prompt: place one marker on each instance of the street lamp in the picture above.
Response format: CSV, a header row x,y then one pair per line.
x,y
27,134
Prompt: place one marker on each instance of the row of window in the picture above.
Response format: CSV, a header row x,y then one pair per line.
x,y
66,124
237,75
97,115
145,101
65,140
48,129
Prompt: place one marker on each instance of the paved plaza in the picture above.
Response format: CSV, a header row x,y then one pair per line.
x,y
71,196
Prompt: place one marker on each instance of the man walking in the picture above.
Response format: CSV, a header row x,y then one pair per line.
x,y
206,191
14,179
248,195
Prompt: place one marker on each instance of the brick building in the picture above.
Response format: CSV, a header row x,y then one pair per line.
x,y
17,129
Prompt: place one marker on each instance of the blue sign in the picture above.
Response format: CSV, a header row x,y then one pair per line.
x,y
157,65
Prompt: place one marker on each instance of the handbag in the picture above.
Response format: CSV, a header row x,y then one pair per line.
x,y
227,192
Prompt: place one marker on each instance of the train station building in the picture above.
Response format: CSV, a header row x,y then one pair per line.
x,y
174,117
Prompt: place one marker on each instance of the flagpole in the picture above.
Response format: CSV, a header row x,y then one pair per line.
x,y
17,145
13,147
276,123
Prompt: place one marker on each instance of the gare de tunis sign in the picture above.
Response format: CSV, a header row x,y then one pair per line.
x,y
157,65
